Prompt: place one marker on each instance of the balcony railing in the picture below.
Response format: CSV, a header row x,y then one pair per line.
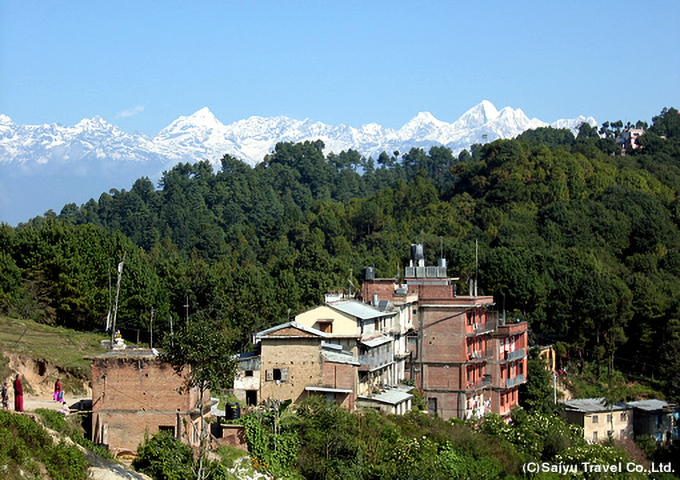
x,y
484,327
479,356
480,384
516,355
511,382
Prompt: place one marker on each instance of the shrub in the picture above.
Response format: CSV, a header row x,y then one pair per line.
x,y
27,450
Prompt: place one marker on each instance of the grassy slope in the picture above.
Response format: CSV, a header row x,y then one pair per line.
x,y
56,345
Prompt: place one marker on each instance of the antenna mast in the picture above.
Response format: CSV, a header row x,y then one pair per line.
x,y
115,305
476,264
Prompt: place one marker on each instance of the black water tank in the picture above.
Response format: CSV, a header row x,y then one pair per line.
x,y
233,411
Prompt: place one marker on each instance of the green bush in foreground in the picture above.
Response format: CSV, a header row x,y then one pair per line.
x,y
69,426
162,457
27,451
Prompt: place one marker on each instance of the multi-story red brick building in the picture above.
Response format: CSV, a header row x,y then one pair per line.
x,y
134,393
466,360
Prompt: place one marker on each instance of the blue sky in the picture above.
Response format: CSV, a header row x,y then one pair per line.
x,y
141,64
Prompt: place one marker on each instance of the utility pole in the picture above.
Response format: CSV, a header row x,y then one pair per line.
x,y
172,339
476,265
151,330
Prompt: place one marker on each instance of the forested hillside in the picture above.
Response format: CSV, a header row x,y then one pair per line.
x,y
574,237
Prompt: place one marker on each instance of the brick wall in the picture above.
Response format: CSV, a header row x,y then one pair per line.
x,y
136,395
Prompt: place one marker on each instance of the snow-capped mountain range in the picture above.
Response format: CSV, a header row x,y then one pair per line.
x,y
201,136
47,166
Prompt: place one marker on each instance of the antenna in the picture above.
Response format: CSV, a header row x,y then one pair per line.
x,y
108,314
172,339
151,330
476,264
115,306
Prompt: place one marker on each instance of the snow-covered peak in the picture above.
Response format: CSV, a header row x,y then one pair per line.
x,y
422,126
204,117
93,124
193,129
574,123
201,136
477,116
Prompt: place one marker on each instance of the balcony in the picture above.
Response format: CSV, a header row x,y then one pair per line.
x,y
514,381
516,355
480,384
478,356
480,328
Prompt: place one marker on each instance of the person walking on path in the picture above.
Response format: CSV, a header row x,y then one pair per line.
x,y
57,391
18,395
5,396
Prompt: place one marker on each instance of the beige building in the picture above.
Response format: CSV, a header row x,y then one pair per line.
x,y
348,351
297,360
628,139
376,336
599,420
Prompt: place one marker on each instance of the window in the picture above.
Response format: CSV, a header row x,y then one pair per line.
x,y
432,405
276,375
624,416
609,418
595,419
594,436
326,326
249,373
502,399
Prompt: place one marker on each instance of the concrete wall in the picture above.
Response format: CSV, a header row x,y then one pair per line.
x,y
342,324
597,426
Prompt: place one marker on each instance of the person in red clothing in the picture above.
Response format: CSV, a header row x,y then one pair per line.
x,y
57,390
18,395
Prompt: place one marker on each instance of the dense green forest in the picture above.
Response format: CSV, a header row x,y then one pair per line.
x,y
576,238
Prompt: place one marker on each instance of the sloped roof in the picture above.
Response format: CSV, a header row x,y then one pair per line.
x,y
360,310
593,405
392,397
375,340
294,325
650,405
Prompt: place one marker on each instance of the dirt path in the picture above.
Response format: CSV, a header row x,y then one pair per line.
x,y
32,403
